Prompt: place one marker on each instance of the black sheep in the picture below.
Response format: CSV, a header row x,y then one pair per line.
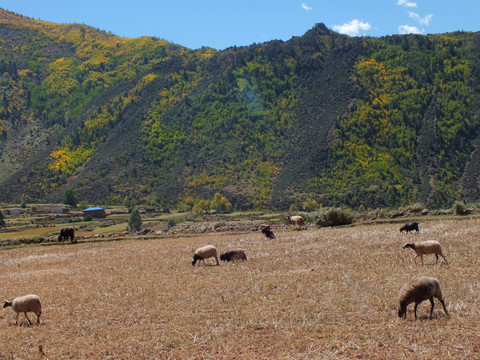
x,y
232,255
67,232
411,226
268,232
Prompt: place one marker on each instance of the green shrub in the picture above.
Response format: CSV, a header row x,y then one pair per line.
x,y
334,217
416,208
134,221
201,207
83,204
293,208
171,223
70,197
220,204
310,205
459,208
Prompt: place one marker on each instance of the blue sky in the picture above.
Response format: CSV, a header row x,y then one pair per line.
x,y
221,24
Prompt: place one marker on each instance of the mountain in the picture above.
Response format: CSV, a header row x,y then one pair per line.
x,y
345,121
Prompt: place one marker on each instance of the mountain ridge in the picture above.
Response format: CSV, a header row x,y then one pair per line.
x,y
345,121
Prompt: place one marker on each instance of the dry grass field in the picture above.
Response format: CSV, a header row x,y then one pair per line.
x,y
312,294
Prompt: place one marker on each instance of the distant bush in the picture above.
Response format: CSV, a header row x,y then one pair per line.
x,y
334,217
83,204
201,207
416,208
220,204
310,205
70,198
459,208
293,208
171,223
134,221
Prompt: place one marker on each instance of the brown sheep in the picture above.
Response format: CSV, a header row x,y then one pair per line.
x,y
418,290
426,247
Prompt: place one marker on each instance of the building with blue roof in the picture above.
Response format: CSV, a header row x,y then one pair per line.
x,y
97,212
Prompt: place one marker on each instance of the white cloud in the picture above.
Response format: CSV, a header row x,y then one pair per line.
x,y
352,28
306,7
422,21
406,29
407,3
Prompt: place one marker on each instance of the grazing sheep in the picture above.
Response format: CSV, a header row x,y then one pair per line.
x,y
418,290
205,253
426,247
266,230
233,255
411,226
67,232
295,220
25,304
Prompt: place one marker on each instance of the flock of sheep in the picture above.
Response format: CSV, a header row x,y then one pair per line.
x,y
414,291
424,287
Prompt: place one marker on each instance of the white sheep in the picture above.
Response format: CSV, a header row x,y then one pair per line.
x,y
205,253
296,220
418,290
426,247
25,304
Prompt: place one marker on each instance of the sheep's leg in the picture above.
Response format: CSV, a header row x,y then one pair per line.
x,y
444,307
16,319
443,303
416,305
433,305
216,258
28,318
436,262
38,317
444,258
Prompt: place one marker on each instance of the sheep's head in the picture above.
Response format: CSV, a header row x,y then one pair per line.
x,y
195,259
407,245
7,303
402,312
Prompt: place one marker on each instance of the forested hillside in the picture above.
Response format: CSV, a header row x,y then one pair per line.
x,y
345,121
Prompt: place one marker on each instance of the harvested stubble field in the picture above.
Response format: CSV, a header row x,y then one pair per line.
x,y
312,294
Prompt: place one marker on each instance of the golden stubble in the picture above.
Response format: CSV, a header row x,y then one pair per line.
x,y
312,294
